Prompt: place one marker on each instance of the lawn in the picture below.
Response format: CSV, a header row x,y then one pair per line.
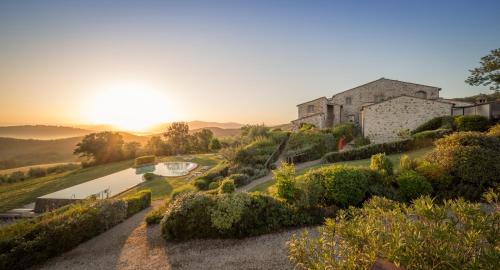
x,y
27,168
266,187
21,193
161,187
16,195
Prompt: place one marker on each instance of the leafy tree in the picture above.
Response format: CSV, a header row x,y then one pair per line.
x,y
177,136
215,144
132,148
488,74
102,147
155,146
204,138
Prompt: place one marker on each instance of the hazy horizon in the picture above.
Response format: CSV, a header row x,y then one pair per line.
x,y
135,64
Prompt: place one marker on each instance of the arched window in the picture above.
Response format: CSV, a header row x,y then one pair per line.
x,y
421,94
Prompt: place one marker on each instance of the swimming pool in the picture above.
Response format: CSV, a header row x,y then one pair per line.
x,y
116,183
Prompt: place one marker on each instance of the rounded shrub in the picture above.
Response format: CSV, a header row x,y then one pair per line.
x,y
494,130
344,186
444,122
188,216
471,159
407,163
240,179
381,163
213,185
227,186
412,185
471,123
148,176
438,178
201,183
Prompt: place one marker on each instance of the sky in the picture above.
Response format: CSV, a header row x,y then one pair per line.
x,y
92,62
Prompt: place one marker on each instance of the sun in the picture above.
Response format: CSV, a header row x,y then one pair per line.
x,y
129,106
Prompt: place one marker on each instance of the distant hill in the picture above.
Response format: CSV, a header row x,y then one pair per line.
x,y
42,132
220,132
22,152
194,125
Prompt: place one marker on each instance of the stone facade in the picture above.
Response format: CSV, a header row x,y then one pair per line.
x,y
382,121
346,106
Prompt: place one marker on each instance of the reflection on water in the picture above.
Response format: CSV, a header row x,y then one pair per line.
x,y
121,181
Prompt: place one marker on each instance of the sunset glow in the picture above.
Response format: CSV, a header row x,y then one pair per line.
x,y
129,106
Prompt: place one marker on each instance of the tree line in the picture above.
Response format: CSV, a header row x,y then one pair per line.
x,y
104,147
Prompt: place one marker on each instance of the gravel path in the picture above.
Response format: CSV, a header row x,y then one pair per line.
x,y
133,245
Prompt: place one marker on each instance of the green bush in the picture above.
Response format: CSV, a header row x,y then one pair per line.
x,y
424,235
149,176
16,177
471,159
200,215
155,216
412,185
285,182
144,160
381,163
471,123
213,185
426,138
343,186
227,186
137,202
32,241
36,172
346,130
361,141
407,163
494,130
441,122
369,150
183,189
438,178
201,184
310,145
240,179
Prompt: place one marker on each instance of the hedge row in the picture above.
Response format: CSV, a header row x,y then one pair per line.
x,y
32,241
145,160
29,242
137,202
369,150
201,215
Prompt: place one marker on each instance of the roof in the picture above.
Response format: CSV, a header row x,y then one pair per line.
x,y
433,100
312,100
439,89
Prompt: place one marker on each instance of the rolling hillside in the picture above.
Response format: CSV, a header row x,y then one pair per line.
x,y
22,152
42,132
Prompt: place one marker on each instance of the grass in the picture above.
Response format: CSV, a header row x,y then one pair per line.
x,y
18,194
161,187
267,187
21,193
27,168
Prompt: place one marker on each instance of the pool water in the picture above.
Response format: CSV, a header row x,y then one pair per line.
x,y
116,183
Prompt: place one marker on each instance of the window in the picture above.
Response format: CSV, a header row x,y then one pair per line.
x,y
348,101
310,108
379,98
421,94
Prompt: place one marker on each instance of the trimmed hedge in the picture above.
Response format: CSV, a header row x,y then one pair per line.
x,y
472,123
145,160
201,215
28,242
440,122
369,150
137,202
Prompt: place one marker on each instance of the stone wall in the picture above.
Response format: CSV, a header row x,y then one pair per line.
x,y
319,106
382,88
318,120
381,122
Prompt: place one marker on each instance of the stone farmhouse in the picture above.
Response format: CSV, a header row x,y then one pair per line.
x,y
384,107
